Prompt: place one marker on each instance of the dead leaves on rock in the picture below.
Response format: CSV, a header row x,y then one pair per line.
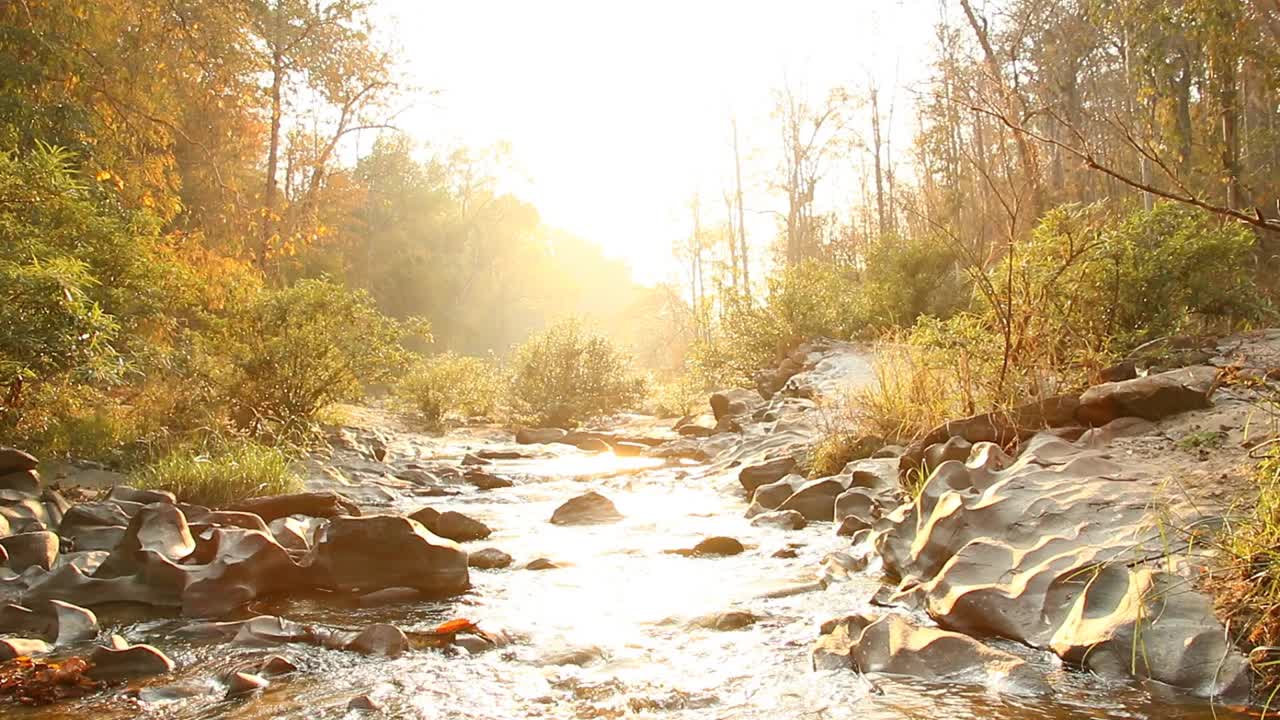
x,y
37,682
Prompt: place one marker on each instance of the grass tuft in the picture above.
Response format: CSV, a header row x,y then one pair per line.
x,y
220,476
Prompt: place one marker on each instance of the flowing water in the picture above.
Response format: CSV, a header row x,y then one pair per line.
x,y
617,599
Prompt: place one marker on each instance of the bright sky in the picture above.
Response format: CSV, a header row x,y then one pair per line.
x,y
616,112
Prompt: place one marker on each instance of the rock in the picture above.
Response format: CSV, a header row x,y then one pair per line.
x,y
159,529
277,665
67,624
124,662
786,553
32,549
718,546
888,451
124,493
1153,397
232,518
13,460
11,648
231,567
489,454
753,477
728,620
240,684
541,564
860,503
594,444
382,640
539,436
891,644
489,559
22,481
389,596
771,496
452,525
381,551
363,703
418,476
576,656
733,402
311,504
695,431
588,508
626,448
1121,371
291,533
781,519
82,516
816,499
850,525
470,459
486,481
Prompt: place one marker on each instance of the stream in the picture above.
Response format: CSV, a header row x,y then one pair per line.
x,y
618,603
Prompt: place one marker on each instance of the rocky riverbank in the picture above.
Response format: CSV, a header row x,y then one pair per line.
x,y
658,568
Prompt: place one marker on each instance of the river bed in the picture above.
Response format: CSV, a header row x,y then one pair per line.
x,y
620,603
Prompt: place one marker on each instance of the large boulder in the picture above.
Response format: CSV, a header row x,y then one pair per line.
x,y
770,471
539,436
122,661
311,504
734,402
816,499
893,645
232,567
22,481
771,496
33,549
381,551
588,508
1151,398
452,525
160,529
780,519
14,460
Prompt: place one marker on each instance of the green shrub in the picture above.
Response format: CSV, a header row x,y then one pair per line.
x,y
221,475
296,350
452,385
678,396
566,375
808,300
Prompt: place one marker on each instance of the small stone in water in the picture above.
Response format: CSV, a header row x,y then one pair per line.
x,y
363,702
240,684
541,564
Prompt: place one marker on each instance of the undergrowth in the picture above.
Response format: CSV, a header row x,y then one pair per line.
x,y
220,474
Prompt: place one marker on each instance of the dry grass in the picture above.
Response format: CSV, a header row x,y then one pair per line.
x,y
220,475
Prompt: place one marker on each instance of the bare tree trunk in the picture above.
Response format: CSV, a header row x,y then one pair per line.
x,y
273,149
875,146
742,225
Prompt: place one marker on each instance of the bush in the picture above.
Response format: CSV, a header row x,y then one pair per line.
x,y
296,350
680,395
566,375
452,385
808,300
227,472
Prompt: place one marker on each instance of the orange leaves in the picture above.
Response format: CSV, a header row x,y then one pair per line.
x,y
37,682
454,626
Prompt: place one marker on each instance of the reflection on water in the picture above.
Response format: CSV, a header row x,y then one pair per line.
x,y
619,597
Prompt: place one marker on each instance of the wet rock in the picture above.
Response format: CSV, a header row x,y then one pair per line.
x,y
470,460
240,684
11,648
311,504
86,516
489,559
232,518
361,703
122,661
850,526
786,553
594,445
781,519
627,448
726,621
771,496
755,476
22,481
541,564
160,529
486,481
588,508
452,525
695,431
389,596
489,454
539,436
14,460
382,640
816,499
719,545
380,551
32,549
1151,398
236,566
858,502
291,533
418,476
575,656
277,665
65,624
124,493
890,644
